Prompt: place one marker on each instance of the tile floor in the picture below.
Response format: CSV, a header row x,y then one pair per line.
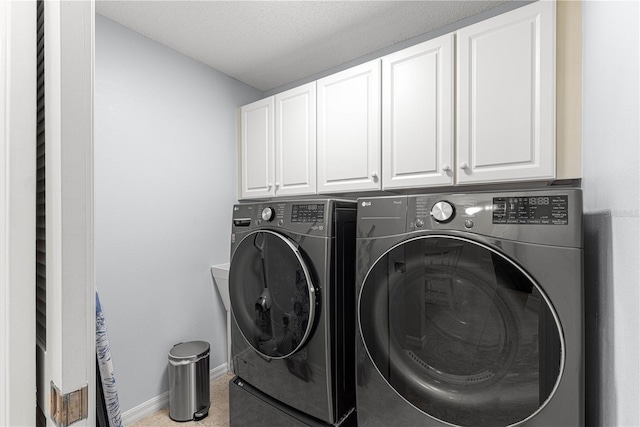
x,y
218,412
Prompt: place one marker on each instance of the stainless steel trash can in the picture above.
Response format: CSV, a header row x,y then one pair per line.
x,y
189,381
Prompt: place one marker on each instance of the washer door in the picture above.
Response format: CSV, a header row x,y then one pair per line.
x,y
272,296
460,332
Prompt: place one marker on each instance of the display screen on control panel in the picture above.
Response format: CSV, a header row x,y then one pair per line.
x,y
538,210
307,213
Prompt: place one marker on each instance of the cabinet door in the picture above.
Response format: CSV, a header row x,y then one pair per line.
x,y
296,141
349,130
506,96
257,149
417,115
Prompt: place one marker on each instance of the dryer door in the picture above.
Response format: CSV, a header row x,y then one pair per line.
x,y
273,299
460,332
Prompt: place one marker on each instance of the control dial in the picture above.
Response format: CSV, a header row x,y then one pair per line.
x,y
442,211
268,214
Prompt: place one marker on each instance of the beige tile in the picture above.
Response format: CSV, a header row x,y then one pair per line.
x,y
159,419
218,412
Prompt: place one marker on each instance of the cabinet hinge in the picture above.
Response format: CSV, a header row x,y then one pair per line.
x,y
68,408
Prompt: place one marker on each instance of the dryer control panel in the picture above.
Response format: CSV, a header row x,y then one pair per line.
x,y
543,209
543,216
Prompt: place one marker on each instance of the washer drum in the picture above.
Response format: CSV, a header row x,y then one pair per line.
x,y
189,381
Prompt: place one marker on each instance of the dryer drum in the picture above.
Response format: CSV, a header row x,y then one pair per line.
x,y
460,332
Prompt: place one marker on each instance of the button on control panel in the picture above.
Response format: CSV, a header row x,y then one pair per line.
x,y
442,211
268,214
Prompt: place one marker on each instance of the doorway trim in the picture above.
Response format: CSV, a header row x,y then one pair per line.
x,y
17,211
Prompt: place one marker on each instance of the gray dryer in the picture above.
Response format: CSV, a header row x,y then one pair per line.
x,y
470,309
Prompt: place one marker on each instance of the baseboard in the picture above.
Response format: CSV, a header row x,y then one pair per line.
x,y
144,409
162,401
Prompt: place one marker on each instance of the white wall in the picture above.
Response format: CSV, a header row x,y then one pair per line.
x,y
611,136
165,181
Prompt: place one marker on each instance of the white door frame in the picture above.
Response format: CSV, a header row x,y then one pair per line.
x,y
70,359
70,355
17,212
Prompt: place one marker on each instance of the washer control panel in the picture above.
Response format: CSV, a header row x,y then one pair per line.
x,y
267,213
314,216
312,212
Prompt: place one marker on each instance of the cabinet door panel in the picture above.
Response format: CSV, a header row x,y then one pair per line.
x,y
296,141
417,115
506,96
257,149
349,129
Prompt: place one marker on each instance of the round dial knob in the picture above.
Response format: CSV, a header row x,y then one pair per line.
x,y
442,211
268,214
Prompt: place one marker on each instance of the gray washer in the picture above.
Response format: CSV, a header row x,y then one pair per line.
x,y
292,293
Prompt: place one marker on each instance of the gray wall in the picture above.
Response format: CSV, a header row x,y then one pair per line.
x,y
165,180
611,116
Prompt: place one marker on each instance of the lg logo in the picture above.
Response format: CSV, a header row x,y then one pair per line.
x,y
365,204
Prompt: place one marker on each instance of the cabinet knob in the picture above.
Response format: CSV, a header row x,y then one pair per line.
x,y
277,185
374,175
464,165
446,168
269,185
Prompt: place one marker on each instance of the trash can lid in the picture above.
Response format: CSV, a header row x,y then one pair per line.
x,y
189,351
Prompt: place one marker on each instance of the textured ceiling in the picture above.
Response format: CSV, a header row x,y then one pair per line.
x,y
267,44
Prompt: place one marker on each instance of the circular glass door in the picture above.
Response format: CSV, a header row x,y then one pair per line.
x,y
272,296
460,332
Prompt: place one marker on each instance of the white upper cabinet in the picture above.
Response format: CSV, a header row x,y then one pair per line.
x,y
296,141
279,144
257,149
349,130
476,106
417,115
506,97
